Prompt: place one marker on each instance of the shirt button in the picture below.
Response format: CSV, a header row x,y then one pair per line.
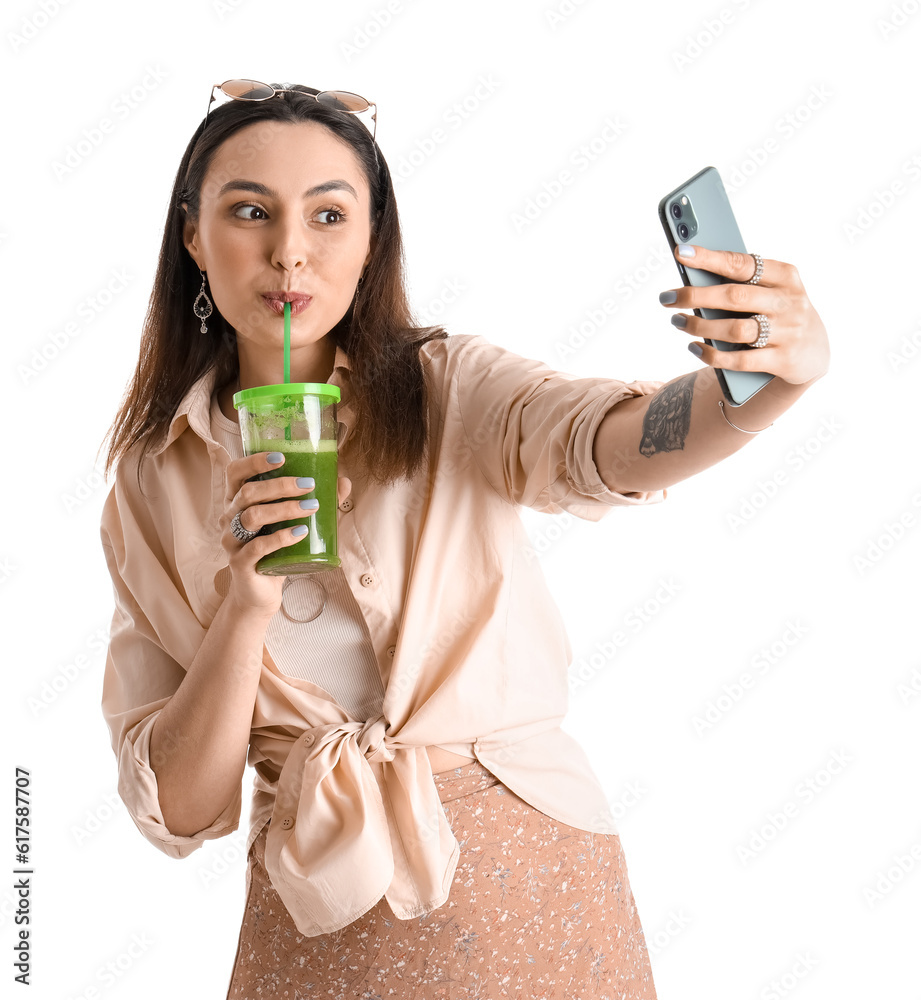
x,y
308,739
367,580
287,822
346,504
391,650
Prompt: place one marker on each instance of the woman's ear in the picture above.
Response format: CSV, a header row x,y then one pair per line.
x,y
370,253
190,237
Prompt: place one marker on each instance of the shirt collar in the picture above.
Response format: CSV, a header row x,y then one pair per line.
x,y
195,408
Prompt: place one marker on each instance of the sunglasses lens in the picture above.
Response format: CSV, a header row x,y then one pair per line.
x,y
342,100
247,90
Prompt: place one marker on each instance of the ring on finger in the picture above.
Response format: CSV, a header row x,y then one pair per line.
x,y
759,270
239,532
764,330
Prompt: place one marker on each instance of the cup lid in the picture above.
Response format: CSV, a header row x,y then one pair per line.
x,y
287,389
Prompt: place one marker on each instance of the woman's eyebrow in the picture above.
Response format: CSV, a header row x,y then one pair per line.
x,y
256,188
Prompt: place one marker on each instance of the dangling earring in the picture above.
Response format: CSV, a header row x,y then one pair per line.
x,y
202,307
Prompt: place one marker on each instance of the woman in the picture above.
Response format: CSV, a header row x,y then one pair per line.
x,y
403,719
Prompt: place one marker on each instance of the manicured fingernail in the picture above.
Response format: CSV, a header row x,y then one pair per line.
x,y
274,457
309,504
305,483
679,320
686,250
666,298
299,529
696,349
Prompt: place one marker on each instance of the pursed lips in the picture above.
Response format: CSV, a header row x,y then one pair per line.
x,y
276,301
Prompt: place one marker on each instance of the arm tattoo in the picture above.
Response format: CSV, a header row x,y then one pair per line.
x,y
666,421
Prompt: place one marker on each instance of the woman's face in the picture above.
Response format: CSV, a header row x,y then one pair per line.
x,y
283,209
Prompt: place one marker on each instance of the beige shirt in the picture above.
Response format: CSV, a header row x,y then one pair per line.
x,y
470,647
330,644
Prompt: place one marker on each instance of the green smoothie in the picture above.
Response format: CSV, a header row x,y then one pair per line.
x,y
299,420
317,549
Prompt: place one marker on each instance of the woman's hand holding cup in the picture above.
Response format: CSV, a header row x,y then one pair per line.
x,y
254,500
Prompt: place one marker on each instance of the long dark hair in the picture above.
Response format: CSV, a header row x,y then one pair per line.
x,y
378,331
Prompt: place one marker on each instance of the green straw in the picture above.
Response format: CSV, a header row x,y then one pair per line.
x,y
287,357
287,342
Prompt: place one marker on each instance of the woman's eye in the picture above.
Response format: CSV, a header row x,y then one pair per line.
x,y
243,212
331,211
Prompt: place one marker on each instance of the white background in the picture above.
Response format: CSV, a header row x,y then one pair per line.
x,y
110,912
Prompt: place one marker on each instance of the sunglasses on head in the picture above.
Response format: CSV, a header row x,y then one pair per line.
x,y
252,90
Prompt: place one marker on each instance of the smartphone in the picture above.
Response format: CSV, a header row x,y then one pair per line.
x,y
698,212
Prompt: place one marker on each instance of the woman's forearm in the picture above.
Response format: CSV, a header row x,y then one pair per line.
x,y
654,441
199,741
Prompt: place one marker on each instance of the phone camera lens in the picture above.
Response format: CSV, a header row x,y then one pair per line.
x,y
683,231
676,210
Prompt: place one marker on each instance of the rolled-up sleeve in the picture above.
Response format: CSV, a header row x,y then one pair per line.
x,y
532,429
140,678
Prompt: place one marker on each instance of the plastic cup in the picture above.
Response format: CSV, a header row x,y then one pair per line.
x,y
299,420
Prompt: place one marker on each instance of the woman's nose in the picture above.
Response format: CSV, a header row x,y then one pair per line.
x,y
290,247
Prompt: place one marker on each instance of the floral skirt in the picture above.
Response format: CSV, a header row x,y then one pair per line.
x,y
537,909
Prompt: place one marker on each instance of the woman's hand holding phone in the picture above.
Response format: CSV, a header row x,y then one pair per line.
x,y
797,350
